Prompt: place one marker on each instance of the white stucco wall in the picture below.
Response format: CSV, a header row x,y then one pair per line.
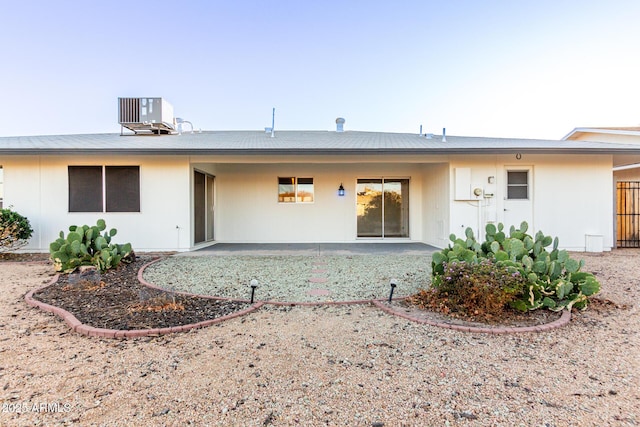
x,y
435,204
37,187
572,196
247,208
627,175
576,198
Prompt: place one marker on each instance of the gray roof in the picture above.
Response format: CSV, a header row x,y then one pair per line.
x,y
296,142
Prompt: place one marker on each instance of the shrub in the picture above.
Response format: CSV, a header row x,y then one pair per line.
x,y
87,246
553,278
15,230
481,289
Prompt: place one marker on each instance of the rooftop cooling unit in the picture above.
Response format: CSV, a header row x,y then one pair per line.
x,y
146,115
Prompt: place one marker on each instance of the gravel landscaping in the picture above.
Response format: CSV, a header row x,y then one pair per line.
x,y
292,278
326,365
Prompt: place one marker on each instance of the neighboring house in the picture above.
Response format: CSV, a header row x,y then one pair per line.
x,y
626,176
185,191
623,135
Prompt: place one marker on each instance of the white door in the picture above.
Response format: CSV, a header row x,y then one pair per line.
x,y
518,197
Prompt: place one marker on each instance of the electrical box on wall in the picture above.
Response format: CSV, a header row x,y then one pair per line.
x,y
462,189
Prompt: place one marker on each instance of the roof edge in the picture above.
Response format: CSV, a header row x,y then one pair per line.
x,y
609,131
323,151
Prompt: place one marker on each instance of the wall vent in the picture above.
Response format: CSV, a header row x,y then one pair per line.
x,y
146,115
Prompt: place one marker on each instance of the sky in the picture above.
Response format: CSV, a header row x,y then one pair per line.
x,y
491,68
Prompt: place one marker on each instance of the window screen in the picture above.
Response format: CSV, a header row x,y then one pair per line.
x,y
517,185
85,188
121,189
122,186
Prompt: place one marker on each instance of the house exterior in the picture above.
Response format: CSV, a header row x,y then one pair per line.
x,y
626,176
185,191
624,135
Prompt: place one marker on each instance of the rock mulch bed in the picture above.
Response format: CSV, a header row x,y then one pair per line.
x,y
117,300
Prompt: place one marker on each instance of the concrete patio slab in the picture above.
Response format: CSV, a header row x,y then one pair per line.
x,y
313,249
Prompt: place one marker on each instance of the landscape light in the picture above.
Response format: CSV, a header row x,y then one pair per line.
x,y
254,285
393,283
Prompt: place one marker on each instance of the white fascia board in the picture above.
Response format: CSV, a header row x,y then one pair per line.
x,y
626,167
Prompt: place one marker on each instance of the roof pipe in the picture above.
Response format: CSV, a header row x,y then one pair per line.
x,y
273,121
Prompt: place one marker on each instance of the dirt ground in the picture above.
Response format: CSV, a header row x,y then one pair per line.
x,y
332,365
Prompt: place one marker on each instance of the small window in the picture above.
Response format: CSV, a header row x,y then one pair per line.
x,y
517,185
122,188
286,190
295,190
104,189
305,190
85,189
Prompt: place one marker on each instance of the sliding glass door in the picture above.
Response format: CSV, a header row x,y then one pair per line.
x,y
383,207
203,187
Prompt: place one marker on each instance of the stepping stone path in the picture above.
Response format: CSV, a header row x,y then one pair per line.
x,y
319,275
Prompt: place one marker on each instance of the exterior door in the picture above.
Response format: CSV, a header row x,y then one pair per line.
x,y
518,201
369,209
209,204
383,207
202,207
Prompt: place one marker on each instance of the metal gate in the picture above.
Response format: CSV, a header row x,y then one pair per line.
x,y
628,214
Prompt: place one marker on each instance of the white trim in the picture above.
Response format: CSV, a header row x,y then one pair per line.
x,y
626,167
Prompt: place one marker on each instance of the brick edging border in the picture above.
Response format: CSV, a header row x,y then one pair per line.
x,y
564,319
85,329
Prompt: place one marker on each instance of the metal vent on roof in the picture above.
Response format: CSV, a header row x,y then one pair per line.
x,y
146,115
340,124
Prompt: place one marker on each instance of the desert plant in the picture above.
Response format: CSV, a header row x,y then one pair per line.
x,y
89,246
554,279
482,289
162,302
15,230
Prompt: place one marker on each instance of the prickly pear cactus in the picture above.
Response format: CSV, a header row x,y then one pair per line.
x,y
554,279
88,246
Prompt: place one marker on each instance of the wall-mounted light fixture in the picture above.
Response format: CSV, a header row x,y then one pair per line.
x,y
341,190
491,179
